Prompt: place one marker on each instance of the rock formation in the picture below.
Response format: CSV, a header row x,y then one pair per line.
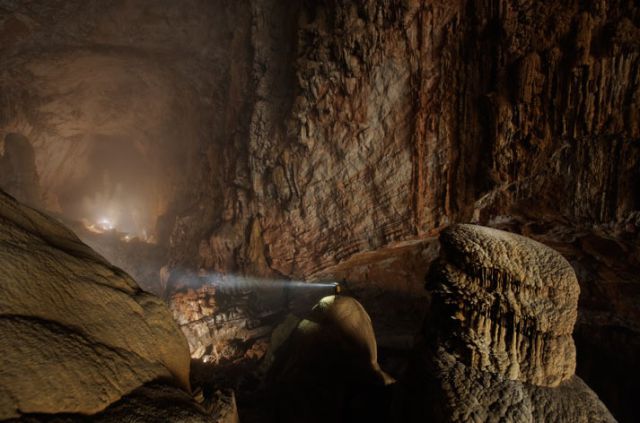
x,y
223,323
77,333
497,341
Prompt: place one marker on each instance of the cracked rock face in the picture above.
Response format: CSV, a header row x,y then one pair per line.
x,y
77,333
498,339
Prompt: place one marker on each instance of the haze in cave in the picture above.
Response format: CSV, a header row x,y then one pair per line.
x,y
305,211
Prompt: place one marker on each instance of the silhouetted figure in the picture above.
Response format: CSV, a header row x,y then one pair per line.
x,y
18,174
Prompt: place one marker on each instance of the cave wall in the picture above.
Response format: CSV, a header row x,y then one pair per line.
x,y
289,137
117,99
373,122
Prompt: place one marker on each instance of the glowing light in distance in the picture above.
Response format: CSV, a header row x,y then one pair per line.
x,y
231,281
105,224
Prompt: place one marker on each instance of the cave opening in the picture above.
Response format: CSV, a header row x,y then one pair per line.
x,y
322,211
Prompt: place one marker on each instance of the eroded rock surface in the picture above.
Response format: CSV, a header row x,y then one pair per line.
x,y
77,333
606,332
513,300
498,342
221,325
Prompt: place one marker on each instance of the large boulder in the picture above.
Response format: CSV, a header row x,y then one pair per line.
x,y
497,342
77,333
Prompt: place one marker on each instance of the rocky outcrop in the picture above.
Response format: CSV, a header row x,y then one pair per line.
x,y
221,325
383,121
296,116
406,116
77,333
513,301
606,330
497,341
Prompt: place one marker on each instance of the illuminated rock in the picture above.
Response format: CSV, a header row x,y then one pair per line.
x,y
513,301
77,333
214,331
498,343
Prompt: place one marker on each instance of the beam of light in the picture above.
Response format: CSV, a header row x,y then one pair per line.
x,y
233,282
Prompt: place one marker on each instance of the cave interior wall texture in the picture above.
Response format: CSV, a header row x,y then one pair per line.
x,y
322,129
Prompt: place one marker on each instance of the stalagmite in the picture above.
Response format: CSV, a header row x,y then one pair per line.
x,y
515,352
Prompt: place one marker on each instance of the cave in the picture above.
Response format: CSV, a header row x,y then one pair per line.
x,y
319,211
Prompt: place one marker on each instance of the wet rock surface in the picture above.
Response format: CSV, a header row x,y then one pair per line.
x,y
495,345
497,341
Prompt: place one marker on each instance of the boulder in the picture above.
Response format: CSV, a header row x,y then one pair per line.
x,y
78,334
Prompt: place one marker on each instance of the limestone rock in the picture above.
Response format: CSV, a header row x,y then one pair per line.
x,y
513,301
497,342
462,393
77,333
218,332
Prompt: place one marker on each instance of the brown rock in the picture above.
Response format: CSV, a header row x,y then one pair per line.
x,y
498,342
514,301
77,333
